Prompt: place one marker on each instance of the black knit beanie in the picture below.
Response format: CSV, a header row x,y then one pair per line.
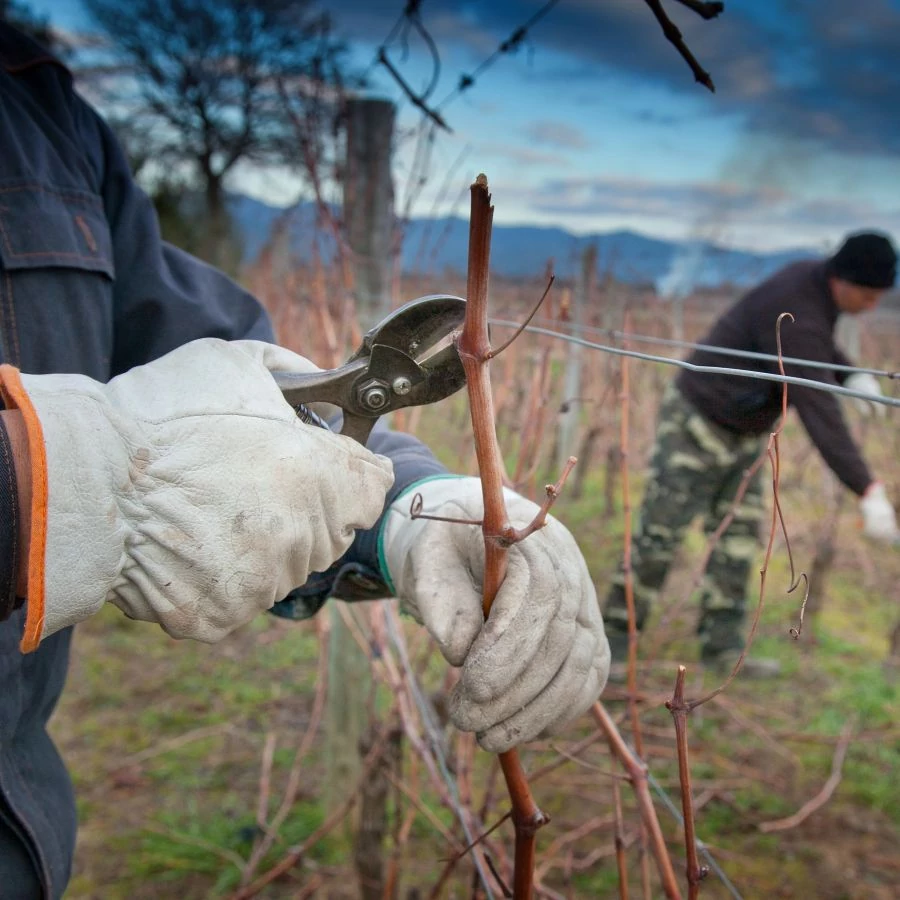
x,y
866,258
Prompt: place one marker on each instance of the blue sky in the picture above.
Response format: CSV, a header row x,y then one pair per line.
x,y
595,123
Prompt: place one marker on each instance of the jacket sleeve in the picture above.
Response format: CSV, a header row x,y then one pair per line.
x,y
163,297
820,411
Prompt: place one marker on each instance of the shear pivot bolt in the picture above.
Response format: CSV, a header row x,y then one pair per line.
x,y
401,385
375,397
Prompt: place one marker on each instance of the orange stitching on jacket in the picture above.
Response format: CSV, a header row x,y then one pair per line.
x,y
14,254
86,231
83,196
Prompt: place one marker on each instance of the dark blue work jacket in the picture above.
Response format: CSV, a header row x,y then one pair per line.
x,y
88,286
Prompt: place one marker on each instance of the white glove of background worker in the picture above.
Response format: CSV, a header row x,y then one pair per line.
x,y
542,658
185,491
879,519
866,384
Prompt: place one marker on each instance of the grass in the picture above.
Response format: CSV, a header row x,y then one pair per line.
x,y
165,739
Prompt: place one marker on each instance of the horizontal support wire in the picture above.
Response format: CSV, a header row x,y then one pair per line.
x,y
725,351
713,370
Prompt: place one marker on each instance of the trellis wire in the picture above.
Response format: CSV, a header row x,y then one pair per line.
x,y
712,370
726,351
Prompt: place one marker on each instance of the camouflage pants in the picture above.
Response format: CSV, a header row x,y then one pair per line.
x,y
695,470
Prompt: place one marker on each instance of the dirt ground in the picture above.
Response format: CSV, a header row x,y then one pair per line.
x,y
168,742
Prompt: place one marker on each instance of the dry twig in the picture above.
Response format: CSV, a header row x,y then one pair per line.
x,y
621,863
808,808
629,596
673,35
637,772
265,779
292,788
773,452
626,558
296,854
679,709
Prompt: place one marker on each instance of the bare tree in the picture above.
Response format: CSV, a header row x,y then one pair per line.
x,y
210,82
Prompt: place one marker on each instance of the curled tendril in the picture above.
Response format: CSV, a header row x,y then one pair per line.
x,y
415,512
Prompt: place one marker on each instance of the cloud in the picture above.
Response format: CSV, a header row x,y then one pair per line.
x,y
523,156
842,91
822,70
805,95
554,133
603,196
845,214
717,211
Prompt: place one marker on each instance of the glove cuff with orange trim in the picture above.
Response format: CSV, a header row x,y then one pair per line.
x,y
15,397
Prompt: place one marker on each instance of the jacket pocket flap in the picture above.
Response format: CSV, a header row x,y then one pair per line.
x,y
42,225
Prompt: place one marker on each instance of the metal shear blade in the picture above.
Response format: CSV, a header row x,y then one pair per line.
x,y
407,359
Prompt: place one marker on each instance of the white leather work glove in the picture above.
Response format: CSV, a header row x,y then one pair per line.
x,y
186,491
879,519
866,384
542,658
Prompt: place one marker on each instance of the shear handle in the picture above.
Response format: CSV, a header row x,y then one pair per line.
x,y
328,386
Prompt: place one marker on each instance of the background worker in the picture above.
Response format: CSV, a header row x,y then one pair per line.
x,y
711,428
148,459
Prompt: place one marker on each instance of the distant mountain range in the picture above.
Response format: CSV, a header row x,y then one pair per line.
x,y
522,251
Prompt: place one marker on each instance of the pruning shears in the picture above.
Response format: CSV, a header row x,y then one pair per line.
x,y
407,359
